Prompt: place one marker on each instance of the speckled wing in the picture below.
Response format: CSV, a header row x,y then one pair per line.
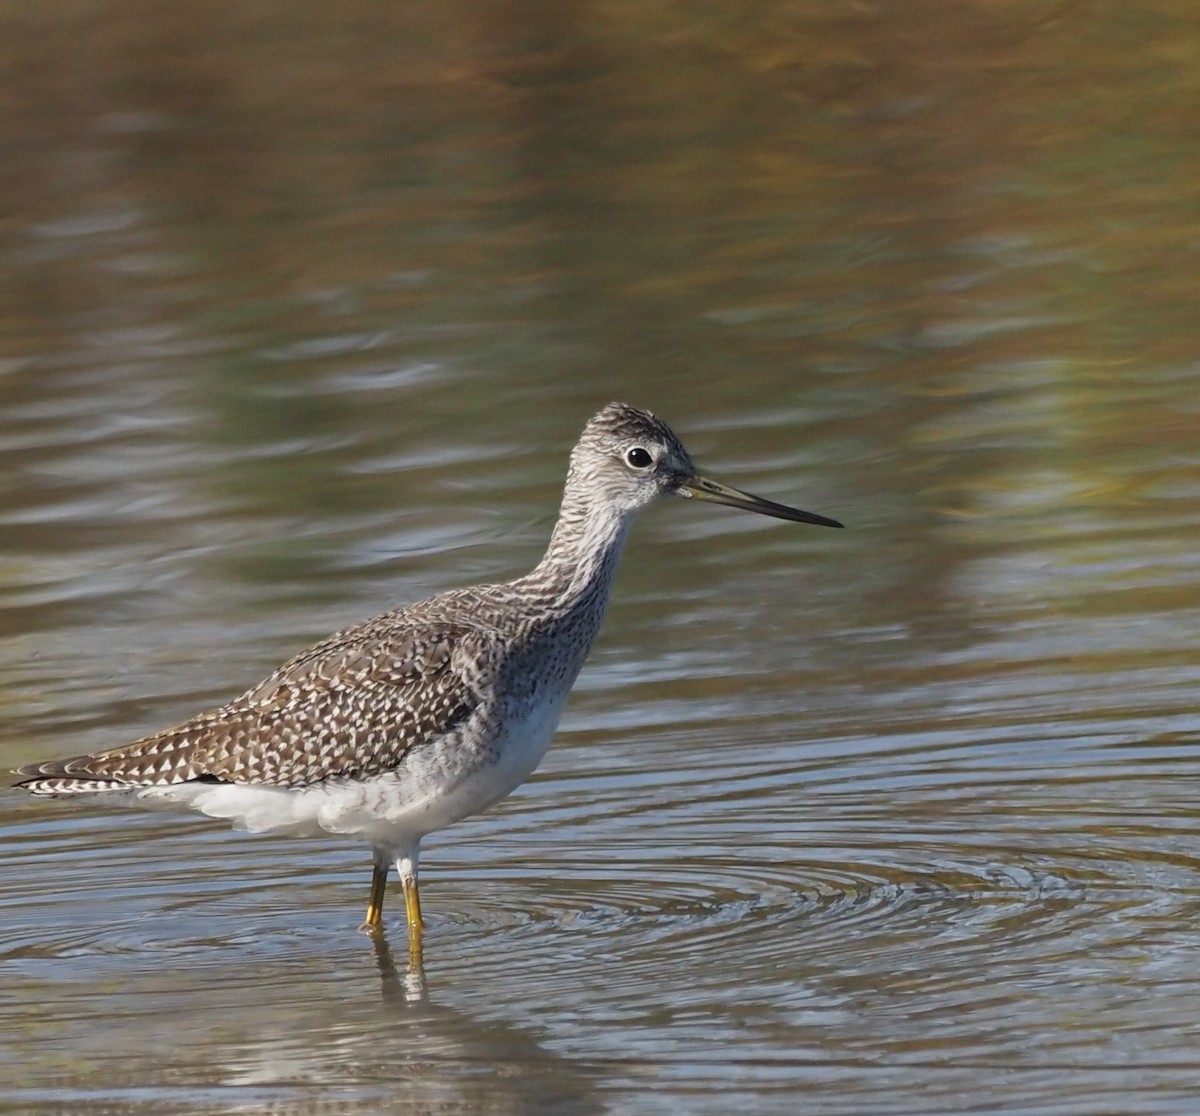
x,y
350,706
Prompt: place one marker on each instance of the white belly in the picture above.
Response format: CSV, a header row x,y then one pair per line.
x,y
434,787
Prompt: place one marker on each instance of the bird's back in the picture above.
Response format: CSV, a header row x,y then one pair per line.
x,y
354,704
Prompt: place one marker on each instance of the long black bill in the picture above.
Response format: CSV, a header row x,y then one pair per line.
x,y
701,488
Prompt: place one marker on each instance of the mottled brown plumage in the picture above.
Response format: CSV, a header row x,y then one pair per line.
x,y
348,707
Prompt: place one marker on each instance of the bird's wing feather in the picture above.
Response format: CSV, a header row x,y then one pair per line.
x,y
352,705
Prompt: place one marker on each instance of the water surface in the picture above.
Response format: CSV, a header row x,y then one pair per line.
x,y
301,310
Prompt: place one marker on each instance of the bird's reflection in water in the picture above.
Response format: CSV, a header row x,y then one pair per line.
x,y
411,989
298,1037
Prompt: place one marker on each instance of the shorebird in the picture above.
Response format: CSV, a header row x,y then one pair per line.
x,y
406,723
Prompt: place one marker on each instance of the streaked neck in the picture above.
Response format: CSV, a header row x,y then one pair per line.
x,y
585,548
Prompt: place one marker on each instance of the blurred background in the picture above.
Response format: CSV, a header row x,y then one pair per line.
x,y
302,307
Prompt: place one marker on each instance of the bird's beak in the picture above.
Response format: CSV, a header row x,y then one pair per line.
x,y
701,488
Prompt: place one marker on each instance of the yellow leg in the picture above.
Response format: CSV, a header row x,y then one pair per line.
x,y
412,905
374,919
407,867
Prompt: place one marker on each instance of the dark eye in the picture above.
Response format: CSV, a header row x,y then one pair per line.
x,y
638,458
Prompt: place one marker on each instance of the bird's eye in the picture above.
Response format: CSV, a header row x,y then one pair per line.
x,y
638,458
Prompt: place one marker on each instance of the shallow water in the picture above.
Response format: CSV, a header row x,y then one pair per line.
x,y
301,309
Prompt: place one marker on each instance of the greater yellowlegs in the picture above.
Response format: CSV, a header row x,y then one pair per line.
x,y
410,721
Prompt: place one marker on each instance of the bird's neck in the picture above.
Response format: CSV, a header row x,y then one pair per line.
x,y
578,567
